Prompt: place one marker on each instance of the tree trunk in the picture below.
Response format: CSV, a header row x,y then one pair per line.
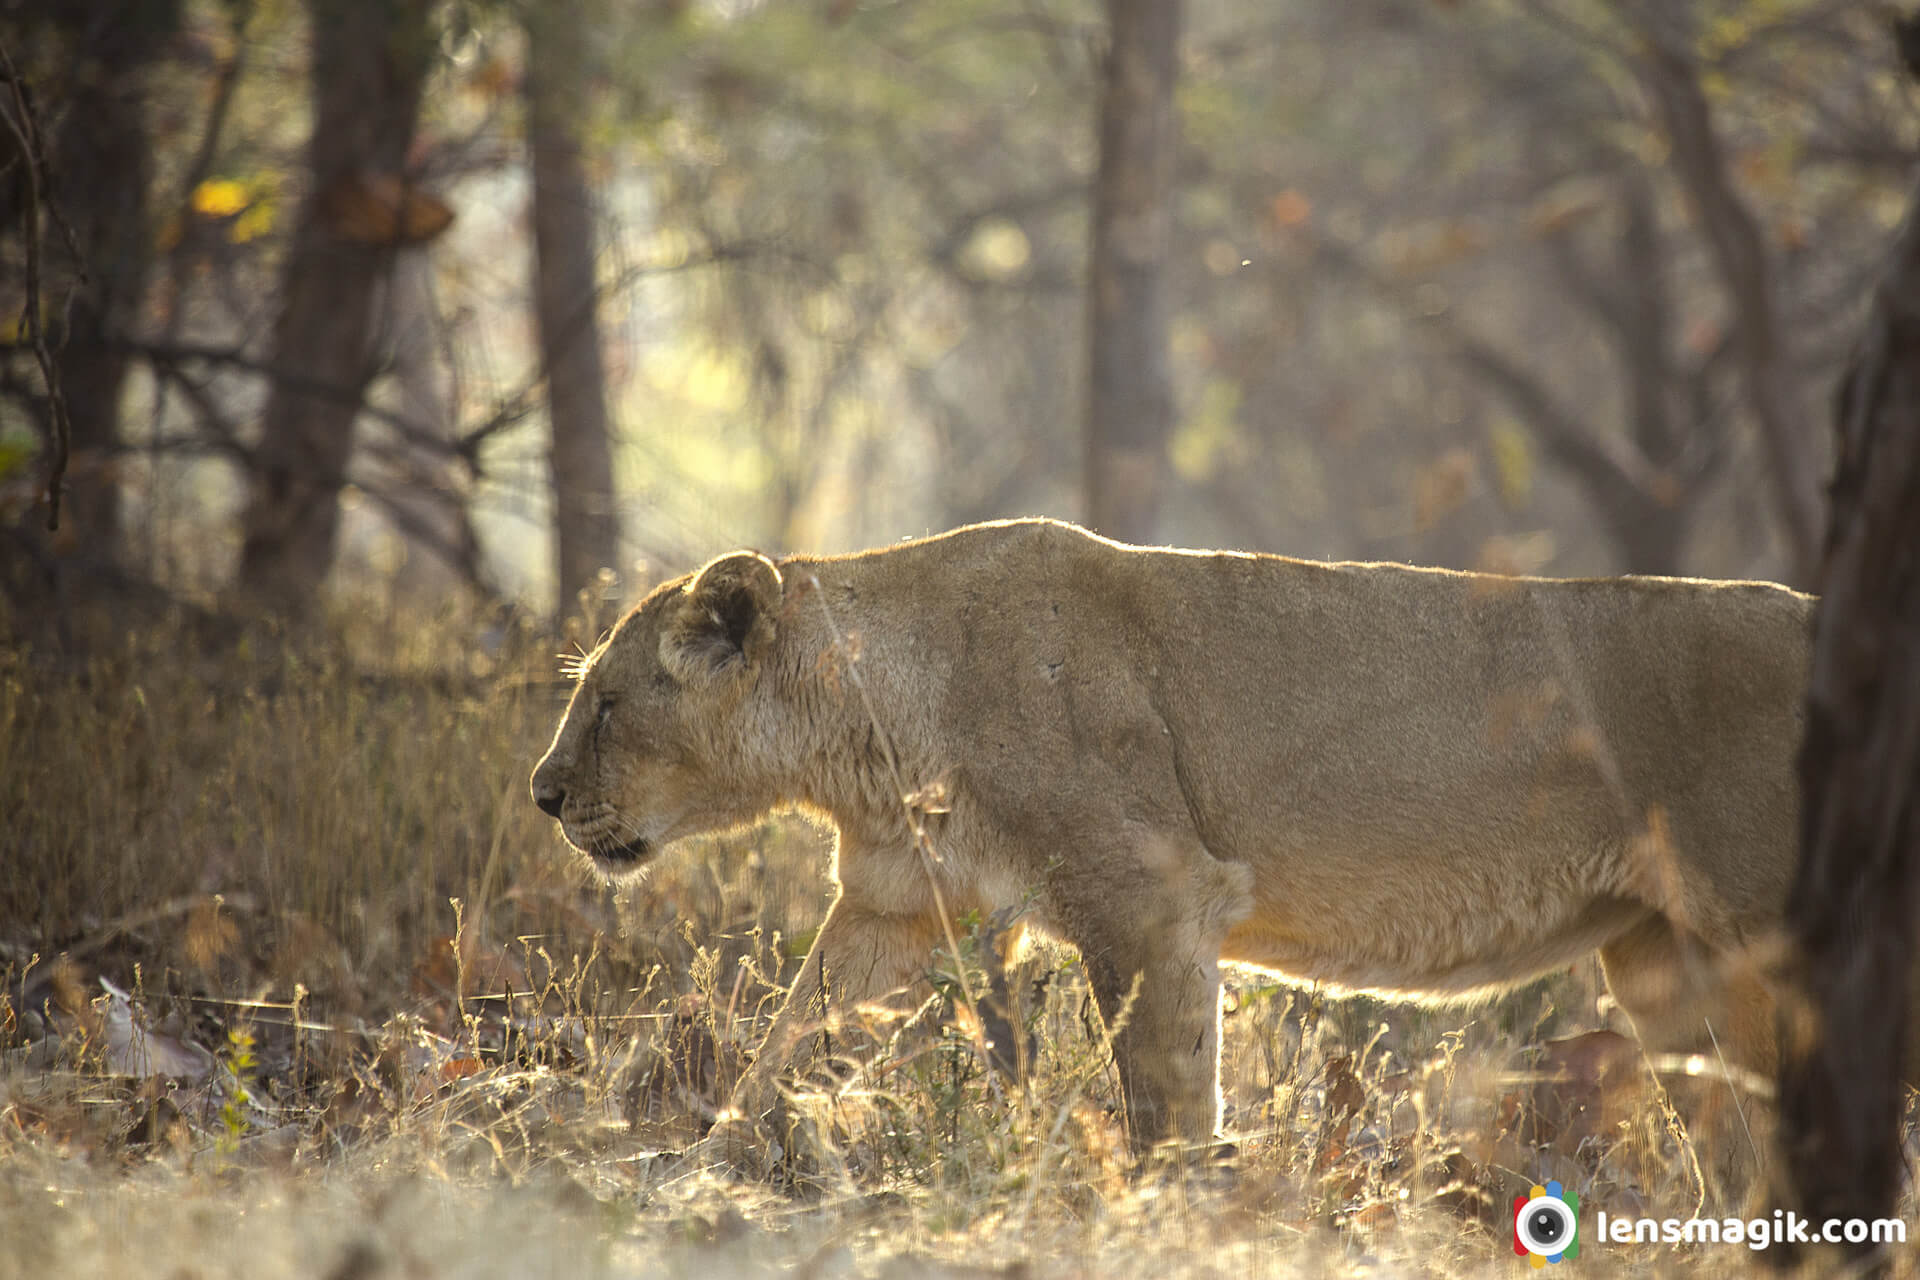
x,y
1130,390
1855,905
101,158
370,59
566,291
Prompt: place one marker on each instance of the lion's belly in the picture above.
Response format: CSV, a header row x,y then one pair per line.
x,y
1440,947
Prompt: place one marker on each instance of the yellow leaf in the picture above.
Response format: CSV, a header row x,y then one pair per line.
x,y
255,222
14,456
220,198
1512,463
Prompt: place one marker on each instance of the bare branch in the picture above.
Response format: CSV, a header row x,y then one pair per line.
x,y
175,353
1745,266
1615,473
222,438
22,124
1619,479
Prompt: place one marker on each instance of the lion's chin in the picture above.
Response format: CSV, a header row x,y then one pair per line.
x,y
613,858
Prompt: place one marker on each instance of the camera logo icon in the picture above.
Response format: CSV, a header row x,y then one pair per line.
x,y
1546,1224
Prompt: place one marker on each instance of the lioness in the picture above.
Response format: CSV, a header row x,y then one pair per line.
x,y
1413,782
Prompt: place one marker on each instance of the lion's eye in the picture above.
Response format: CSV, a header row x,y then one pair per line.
x,y
603,713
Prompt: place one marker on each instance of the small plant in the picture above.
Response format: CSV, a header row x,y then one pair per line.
x,y
238,1063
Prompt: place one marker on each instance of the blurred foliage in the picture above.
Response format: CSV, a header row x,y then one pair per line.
x,y
842,268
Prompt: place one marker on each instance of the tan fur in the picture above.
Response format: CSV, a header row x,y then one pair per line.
x,y
1407,781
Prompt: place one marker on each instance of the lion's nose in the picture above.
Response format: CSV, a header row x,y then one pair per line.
x,y
548,795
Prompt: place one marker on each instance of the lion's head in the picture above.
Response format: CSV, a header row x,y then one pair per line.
x,y
657,742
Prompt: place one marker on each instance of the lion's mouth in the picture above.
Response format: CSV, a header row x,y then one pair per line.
x,y
620,853
609,838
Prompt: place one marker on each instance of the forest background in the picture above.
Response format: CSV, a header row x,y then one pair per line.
x,y
1558,285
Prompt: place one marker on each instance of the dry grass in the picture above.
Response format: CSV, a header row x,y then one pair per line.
x,y
377,1023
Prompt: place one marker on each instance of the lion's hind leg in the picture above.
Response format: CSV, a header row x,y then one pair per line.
x,y
1706,1020
1686,998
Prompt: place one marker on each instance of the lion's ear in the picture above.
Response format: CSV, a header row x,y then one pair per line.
x,y
726,622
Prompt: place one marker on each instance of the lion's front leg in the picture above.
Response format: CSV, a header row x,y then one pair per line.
x,y
1164,1015
1153,957
859,956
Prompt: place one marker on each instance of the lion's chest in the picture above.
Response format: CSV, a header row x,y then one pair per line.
x,y
957,871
